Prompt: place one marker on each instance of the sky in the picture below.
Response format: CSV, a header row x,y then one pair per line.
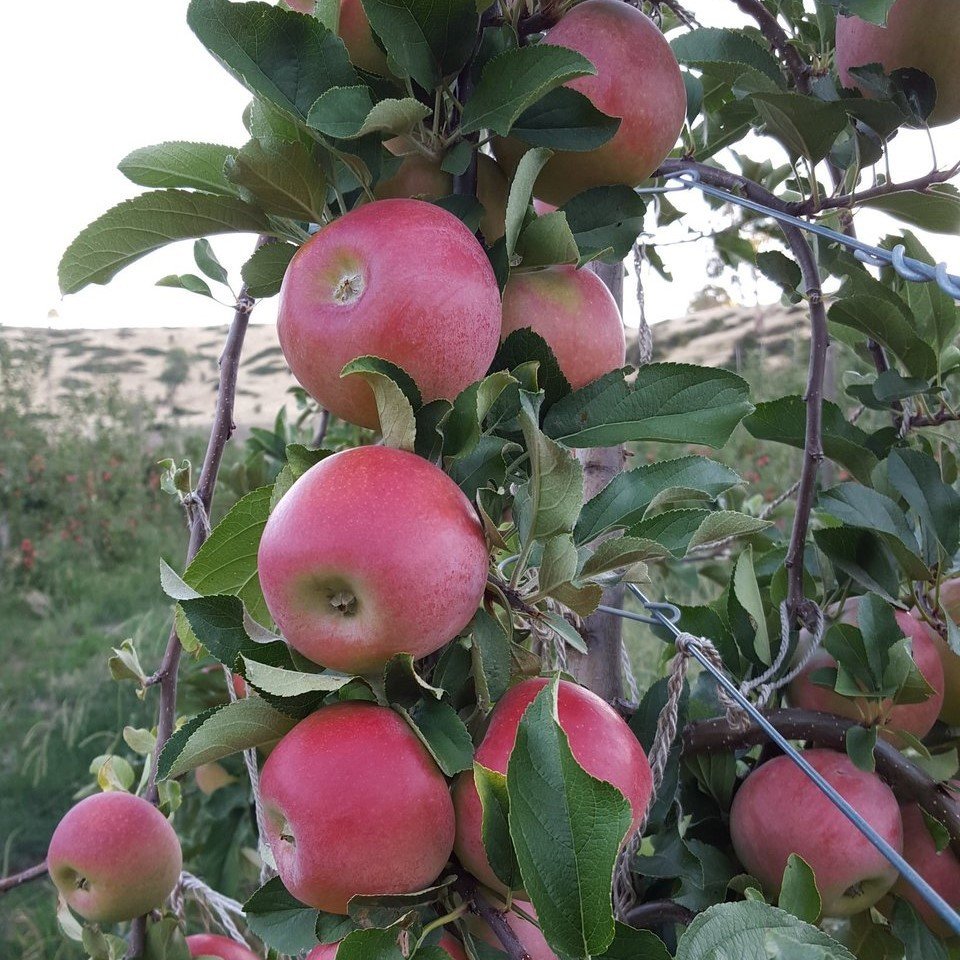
x,y
110,76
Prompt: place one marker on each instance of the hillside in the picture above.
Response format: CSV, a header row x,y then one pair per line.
x,y
175,370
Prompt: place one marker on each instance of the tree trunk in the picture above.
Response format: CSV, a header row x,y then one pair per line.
x,y
600,669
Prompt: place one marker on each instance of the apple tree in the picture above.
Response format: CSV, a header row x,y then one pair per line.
x,y
429,697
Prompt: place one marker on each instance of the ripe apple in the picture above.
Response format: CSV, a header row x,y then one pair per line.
x,y
637,79
372,552
915,718
211,945
779,811
600,742
448,943
950,601
924,34
354,804
114,857
941,870
574,312
403,280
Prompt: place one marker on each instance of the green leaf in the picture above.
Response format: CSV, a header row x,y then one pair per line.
x,y
373,944
397,399
217,622
425,40
516,79
384,910
550,501
723,524
523,346
807,127
227,561
631,944
559,563
860,744
178,163
283,178
491,647
521,192
566,828
874,11
564,119
784,421
798,892
403,685
623,502
709,48
473,403
779,268
187,281
207,261
545,241
443,733
883,322
495,803
279,920
136,227
263,272
748,593
291,683
936,209
605,222
672,402
621,552
285,58
349,112
740,930
674,529
862,557
916,477
219,732
914,934
880,391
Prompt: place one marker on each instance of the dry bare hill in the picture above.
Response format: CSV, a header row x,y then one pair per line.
x,y
175,370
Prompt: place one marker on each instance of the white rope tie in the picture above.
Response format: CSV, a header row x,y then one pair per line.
x,y
223,908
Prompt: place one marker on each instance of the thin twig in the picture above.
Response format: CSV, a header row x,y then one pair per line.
x,y
495,919
24,876
779,41
908,781
799,607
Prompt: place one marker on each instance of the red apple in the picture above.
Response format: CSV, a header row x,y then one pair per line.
x,y
574,312
950,601
403,280
448,943
417,176
940,869
353,28
240,688
372,552
637,79
600,742
211,945
302,6
779,811
541,207
114,857
914,718
924,34
354,804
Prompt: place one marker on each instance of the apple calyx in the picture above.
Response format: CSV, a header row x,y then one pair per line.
x,y
349,289
344,602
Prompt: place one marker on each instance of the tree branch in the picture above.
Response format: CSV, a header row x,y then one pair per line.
x,y
907,780
495,919
24,876
779,42
198,518
800,608
657,913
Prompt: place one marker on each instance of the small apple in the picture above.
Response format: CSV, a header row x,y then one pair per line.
x,y
914,718
637,79
940,869
574,312
950,601
372,552
601,742
778,811
417,176
114,857
403,280
354,804
448,943
924,34
211,945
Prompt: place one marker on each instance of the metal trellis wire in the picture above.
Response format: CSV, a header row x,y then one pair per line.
x,y
668,615
909,268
